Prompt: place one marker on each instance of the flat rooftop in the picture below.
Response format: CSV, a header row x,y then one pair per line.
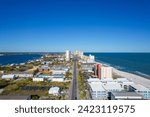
x,y
140,87
51,76
122,80
96,86
112,86
64,68
93,80
131,94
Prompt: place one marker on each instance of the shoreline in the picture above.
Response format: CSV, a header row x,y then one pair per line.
x,y
130,76
133,77
132,72
20,62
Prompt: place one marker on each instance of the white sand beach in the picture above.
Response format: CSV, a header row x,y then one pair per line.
x,y
135,78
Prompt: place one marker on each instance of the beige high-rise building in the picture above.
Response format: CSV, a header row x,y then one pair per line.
x,y
106,72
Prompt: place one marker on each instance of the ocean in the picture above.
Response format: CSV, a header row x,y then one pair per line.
x,y
137,63
17,58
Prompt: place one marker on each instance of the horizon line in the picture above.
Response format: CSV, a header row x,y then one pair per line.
x,y
71,51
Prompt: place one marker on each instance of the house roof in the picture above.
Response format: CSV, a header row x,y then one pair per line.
x,y
54,90
8,76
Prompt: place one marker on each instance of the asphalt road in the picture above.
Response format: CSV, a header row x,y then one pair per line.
x,y
74,87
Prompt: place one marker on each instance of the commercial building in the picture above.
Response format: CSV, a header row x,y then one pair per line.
x,y
90,80
87,67
108,80
68,54
124,82
118,89
54,91
112,87
97,91
140,89
126,96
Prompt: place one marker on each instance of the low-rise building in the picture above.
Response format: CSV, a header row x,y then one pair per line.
x,y
52,78
140,89
59,69
93,80
97,91
24,75
112,87
38,79
125,83
118,87
1,72
87,66
43,77
9,77
108,80
58,77
46,62
44,68
54,91
126,96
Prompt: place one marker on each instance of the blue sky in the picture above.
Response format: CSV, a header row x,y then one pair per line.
x,y
87,25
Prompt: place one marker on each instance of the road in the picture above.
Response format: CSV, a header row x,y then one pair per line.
x,y
74,84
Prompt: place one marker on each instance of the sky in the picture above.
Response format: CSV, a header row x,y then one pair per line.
x,y
86,25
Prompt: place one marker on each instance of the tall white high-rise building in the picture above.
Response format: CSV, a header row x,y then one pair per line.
x,y
68,55
79,54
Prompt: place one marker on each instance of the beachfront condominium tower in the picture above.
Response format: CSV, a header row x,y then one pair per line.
x,y
106,72
68,55
103,71
98,70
